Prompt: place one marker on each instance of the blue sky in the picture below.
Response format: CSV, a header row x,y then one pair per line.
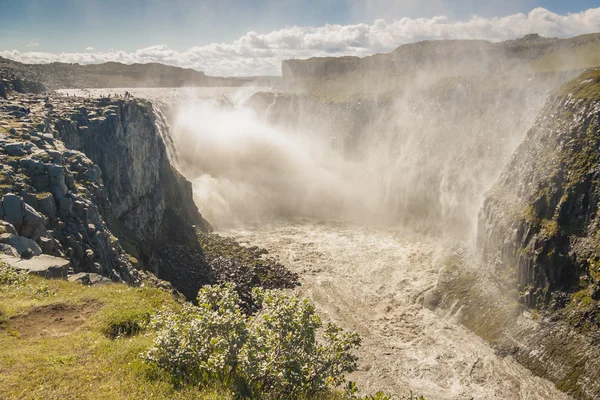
x,y
252,36
73,25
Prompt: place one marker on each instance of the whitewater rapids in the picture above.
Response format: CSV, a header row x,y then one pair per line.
x,y
372,280
364,278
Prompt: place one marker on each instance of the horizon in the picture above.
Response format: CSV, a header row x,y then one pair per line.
x,y
256,46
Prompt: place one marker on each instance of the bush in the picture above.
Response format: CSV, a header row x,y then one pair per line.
x,y
276,353
12,277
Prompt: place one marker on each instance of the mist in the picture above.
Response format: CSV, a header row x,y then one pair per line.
x,y
422,159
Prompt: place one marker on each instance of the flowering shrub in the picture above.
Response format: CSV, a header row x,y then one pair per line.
x,y
12,277
277,352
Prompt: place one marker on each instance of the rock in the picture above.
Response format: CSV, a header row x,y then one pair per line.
x,y
89,278
8,249
58,186
48,244
31,199
44,265
47,205
27,254
14,209
432,299
7,227
20,243
32,165
65,206
33,223
14,149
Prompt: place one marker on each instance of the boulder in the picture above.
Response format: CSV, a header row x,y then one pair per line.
x,y
8,249
47,205
49,246
58,186
14,149
6,227
44,265
34,223
20,243
89,278
14,209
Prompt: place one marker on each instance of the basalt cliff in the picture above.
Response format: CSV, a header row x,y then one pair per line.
x,y
90,180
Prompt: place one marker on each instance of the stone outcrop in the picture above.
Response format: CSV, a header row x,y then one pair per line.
x,y
90,181
540,219
150,205
539,230
11,82
43,265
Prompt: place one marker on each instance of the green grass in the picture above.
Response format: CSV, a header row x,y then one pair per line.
x,y
87,363
586,86
100,359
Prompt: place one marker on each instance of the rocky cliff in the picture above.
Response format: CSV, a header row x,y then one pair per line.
x,y
539,221
454,57
90,180
538,233
117,75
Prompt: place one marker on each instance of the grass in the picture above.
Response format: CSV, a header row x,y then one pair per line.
x,y
101,359
89,363
586,86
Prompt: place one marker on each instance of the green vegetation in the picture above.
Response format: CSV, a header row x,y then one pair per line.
x,y
10,277
56,346
275,354
586,86
62,339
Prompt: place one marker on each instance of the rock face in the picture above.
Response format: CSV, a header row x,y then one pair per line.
x,y
89,180
540,219
44,265
150,205
539,228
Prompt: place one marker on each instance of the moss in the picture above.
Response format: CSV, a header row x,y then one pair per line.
x,y
549,228
43,195
585,87
529,215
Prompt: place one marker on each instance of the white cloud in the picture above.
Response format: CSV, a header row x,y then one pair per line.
x,y
261,54
33,43
89,48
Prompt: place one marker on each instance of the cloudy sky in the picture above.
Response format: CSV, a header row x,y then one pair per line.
x,y
251,37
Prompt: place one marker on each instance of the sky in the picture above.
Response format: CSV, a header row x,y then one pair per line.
x,y
252,37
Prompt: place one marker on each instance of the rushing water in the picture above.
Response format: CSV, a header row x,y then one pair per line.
x,y
294,193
